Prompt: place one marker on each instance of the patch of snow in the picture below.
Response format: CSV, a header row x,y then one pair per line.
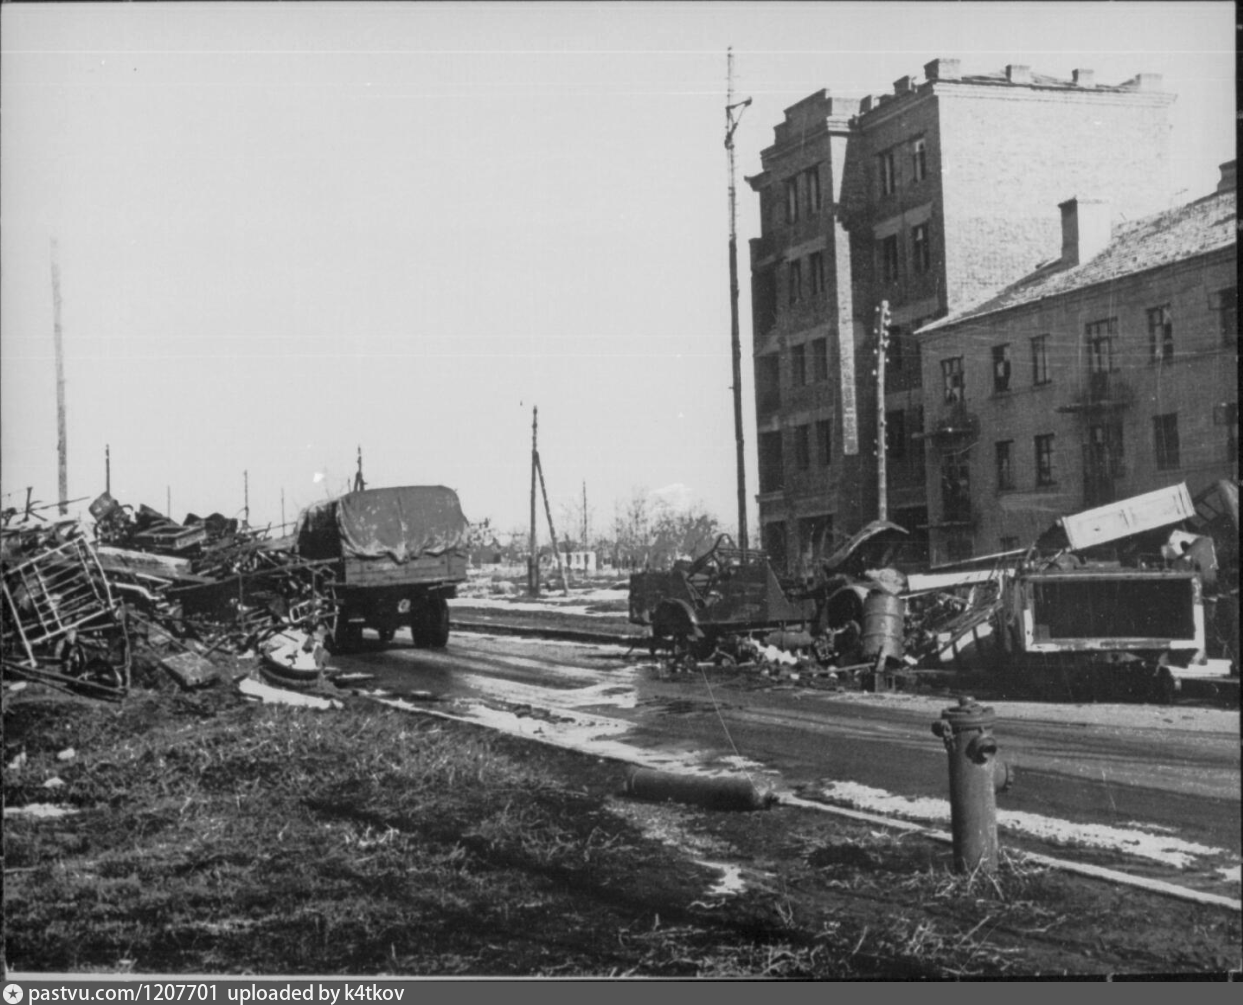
x,y
1234,874
41,810
1169,850
731,881
279,696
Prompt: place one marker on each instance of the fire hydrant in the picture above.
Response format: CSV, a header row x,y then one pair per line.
x,y
967,732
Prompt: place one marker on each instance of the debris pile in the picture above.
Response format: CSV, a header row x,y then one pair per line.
x,y
148,592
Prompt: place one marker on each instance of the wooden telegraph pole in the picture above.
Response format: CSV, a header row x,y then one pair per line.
x,y
882,345
731,123
533,560
62,448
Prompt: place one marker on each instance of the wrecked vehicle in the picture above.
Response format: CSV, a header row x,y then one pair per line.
x,y
398,555
722,595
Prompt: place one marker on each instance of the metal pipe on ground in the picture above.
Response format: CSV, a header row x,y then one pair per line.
x,y
713,793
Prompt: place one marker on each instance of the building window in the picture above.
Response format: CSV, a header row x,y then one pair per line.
x,y
956,488
802,447
1226,303
952,380
1040,359
1165,439
771,466
919,159
888,174
792,200
824,442
1101,363
811,182
820,359
796,282
1103,462
815,272
798,365
921,256
1044,459
889,258
767,383
1227,414
1160,334
1002,452
895,434
1001,369
896,353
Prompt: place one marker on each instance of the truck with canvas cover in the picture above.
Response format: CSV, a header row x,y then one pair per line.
x,y
399,552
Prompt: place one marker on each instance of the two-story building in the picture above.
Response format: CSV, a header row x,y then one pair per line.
x,y
1109,371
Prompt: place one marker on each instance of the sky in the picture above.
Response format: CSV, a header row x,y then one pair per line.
x,y
285,232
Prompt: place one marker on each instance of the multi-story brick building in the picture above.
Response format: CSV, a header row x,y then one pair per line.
x,y
1109,371
930,198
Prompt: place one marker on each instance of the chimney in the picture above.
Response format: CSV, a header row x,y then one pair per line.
x,y
866,103
942,69
1085,78
1144,82
1227,183
902,85
1086,229
1016,73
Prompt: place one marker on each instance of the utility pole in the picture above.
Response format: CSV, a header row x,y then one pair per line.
x,y
552,532
731,124
586,546
168,501
882,345
245,500
282,509
359,484
108,469
62,449
533,561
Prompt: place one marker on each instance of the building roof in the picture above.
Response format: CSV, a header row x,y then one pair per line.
x,y
1194,229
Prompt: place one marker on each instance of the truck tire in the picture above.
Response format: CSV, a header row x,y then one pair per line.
x,y
429,623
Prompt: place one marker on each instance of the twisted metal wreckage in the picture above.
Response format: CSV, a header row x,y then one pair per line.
x,y
1144,587
78,613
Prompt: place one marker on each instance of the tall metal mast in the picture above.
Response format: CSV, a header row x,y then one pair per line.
x,y
731,123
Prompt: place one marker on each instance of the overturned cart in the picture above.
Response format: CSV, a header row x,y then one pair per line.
x,y
399,554
696,606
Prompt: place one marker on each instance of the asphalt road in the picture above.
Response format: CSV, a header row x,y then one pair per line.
x,y
1151,789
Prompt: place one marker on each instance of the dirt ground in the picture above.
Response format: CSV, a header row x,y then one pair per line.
x,y
206,834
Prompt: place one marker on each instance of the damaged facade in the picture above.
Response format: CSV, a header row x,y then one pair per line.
x,y
931,198
1106,372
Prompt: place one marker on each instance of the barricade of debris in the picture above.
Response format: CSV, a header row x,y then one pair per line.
x,y
1144,589
151,595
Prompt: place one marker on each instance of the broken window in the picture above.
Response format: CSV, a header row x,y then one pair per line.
x,y
889,258
815,272
1160,334
771,474
956,487
1044,459
1001,369
798,365
1101,363
919,159
767,383
921,255
1226,303
824,442
792,200
811,182
1003,451
1040,359
895,434
820,359
796,281
802,447
1165,440
952,380
888,174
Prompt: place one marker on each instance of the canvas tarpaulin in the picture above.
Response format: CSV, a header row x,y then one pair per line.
x,y
399,524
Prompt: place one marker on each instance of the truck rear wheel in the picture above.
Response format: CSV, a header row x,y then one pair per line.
x,y
429,623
